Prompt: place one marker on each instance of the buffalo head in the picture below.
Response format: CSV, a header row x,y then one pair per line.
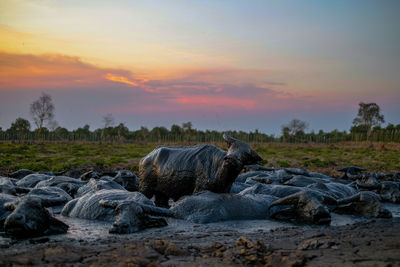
x,y
241,151
130,217
301,206
30,218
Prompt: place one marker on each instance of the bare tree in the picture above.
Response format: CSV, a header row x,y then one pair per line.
x,y
294,127
368,116
42,111
108,120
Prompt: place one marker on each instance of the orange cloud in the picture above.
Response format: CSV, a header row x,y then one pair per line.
x,y
55,71
119,78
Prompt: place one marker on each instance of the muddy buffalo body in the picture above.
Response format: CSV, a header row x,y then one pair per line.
x,y
172,172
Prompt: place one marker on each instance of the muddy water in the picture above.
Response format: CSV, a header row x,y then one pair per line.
x,y
88,230
81,230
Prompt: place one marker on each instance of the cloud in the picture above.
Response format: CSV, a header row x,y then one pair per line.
x,y
54,71
121,79
206,91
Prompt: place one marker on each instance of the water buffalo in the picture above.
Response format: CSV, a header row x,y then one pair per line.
x,y
365,203
281,191
32,180
128,180
51,196
68,184
87,206
351,172
5,198
388,190
207,207
20,174
303,181
129,211
336,190
97,185
131,216
171,172
302,206
57,180
7,186
29,217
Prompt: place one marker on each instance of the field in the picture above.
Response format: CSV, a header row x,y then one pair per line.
x,y
324,158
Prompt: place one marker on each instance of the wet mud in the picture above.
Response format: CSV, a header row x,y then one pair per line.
x,y
349,241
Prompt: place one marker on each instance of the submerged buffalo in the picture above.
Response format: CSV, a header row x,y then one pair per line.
x,y
29,217
207,207
129,211
365,203
131,216
304,207
5,198
172,172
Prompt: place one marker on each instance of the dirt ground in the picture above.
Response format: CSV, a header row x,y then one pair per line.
x,y
372,243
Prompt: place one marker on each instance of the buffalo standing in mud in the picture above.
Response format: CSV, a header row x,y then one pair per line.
x,y
172,172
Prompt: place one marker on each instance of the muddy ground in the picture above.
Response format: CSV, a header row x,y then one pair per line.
x,y
362,243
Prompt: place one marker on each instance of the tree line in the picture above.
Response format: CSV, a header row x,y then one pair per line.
x,y
366,127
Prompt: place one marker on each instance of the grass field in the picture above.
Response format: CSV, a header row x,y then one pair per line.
x,y
316,157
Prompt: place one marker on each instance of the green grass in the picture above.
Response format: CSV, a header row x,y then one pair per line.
x,y
60,157
322,158
327,158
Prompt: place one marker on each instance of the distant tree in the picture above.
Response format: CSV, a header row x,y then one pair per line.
x,y
285,133
144,133
187,129
158,134
176,132
20,127
61,133
187,126
122,131
83,132
42,111
295,127
368,117
108,121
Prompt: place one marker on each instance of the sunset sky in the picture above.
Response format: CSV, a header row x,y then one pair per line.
x,y
238,65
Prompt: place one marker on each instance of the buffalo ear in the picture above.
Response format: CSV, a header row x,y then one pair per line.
x,y
229,140
10,206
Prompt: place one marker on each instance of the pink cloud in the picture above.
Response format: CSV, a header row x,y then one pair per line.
x,y
211,101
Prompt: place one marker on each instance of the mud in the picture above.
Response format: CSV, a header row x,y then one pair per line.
x,y
349,241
